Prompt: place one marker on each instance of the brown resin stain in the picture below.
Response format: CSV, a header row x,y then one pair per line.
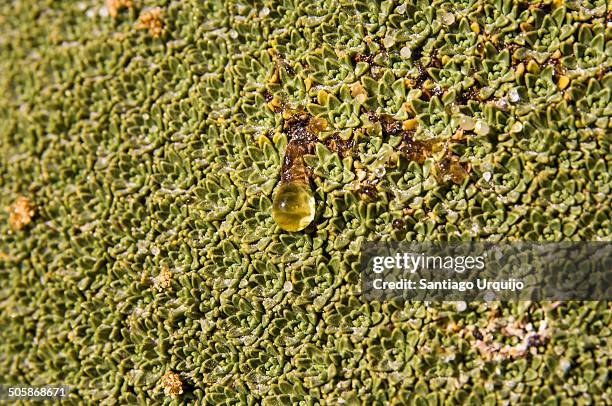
x,y
471,93
302,130
388,124
422,76
450,169
368,190
416,150
339,146
428,93
293,167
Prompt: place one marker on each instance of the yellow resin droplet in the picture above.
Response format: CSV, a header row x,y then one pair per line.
x,y
293,208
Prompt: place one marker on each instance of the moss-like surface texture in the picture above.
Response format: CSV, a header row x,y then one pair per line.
x,y
141,143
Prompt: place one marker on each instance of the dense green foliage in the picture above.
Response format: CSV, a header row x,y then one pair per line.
x,y
152,161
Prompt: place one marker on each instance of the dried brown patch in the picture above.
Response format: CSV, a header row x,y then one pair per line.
x,y
21,213
172,384
164,279
529,339
114,6
151,20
